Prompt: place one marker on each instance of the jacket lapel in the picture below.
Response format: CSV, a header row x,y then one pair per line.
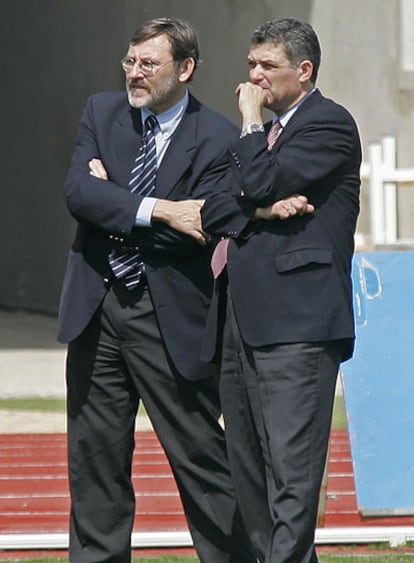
x,y
296,121
178,158
127,131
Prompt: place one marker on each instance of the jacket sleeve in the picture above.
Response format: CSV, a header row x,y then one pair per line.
x,y
101,203
316,149
226,211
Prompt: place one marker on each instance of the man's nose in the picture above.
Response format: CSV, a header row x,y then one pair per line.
x,y
256,74
136,71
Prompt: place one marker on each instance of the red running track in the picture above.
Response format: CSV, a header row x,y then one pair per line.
x,y
34,495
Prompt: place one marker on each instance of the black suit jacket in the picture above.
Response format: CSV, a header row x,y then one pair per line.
x,y
177,267
290,280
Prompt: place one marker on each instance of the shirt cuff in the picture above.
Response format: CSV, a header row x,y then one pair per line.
x,y
144,213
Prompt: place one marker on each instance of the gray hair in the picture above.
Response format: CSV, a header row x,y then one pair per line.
x,y
299,40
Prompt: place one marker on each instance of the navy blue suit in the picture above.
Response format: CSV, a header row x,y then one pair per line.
x,y
145,345
289,316
177,267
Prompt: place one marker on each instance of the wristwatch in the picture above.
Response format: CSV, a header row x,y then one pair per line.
x,y
252,128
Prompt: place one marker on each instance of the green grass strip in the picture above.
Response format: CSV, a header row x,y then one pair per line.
x,y
34,404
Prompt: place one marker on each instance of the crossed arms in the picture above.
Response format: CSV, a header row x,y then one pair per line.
x,y
185,216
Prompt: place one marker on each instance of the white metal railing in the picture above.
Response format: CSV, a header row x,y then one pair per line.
x,y
394,535
383,177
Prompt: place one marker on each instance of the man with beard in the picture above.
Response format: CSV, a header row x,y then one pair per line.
x,y
135,299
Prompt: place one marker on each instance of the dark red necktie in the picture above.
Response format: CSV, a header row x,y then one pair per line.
x,y
219,258
273,134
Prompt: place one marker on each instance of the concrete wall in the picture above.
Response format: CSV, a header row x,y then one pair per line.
x,y
54,53
362,68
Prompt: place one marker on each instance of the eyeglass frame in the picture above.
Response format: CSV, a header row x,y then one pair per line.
x,y
128,64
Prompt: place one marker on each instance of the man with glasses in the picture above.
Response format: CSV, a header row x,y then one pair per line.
x,y
135,300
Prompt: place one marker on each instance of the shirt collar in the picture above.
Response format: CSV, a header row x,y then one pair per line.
x,y
284,118
168,120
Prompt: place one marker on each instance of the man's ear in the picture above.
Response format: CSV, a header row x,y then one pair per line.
x,y
306,70
187,68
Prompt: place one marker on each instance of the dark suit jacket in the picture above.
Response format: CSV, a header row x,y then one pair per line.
x,y
177,267
290,280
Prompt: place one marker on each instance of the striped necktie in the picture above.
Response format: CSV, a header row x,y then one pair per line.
x,y
273,134
127,264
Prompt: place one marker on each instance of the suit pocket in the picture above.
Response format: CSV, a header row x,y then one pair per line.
x,y
302,258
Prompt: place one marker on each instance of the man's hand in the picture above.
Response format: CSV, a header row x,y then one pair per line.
x,y
252,99
183,216
285,208
97,169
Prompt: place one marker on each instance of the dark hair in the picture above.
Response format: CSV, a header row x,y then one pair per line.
x,y
299,41
182,38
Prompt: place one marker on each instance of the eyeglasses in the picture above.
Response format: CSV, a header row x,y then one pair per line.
x,y
146,66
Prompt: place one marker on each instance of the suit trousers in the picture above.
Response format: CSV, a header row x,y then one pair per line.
x,y
118,361
277,402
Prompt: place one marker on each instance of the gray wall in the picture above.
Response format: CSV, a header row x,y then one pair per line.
x,y
54,53
361,64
